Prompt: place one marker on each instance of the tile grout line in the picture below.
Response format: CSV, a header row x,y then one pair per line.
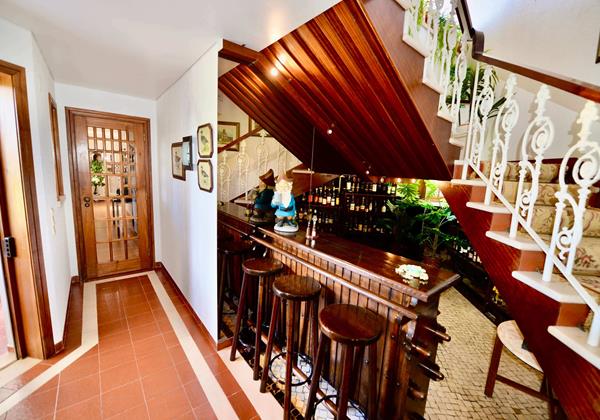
x,y
266,405
137,363
89,339
212,388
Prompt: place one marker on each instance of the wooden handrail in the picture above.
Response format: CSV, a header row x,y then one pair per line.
x,y
239,139
405,312
574,86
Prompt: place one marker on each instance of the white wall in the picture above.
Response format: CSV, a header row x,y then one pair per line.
x,y
188,219
19,47
278,158
97,100
554,35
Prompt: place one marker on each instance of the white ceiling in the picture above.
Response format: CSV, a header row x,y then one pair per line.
x,y
140,47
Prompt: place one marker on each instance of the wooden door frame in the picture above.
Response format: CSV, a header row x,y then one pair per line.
x,y
70,114
18,305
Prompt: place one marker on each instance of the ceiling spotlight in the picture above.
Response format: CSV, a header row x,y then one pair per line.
x,y
367,172
329,131
274,71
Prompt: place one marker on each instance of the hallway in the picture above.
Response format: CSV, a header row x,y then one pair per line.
x,y
147,357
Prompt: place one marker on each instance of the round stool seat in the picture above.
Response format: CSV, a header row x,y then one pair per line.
x,y
262,266
235,247
296,288
350,324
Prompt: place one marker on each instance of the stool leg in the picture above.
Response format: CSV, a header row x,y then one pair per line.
x,y
344,394
316,376
238,318
359,355
289,360
304,332
372,367
493,369
257,341
315,327
222,289
274,318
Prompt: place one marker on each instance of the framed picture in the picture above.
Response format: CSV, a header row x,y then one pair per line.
x,y
228,132
205,175
253,124
598,52
186,153
177,168
204,137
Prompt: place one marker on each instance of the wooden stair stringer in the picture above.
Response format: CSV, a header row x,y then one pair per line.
x,y
387,17
575,381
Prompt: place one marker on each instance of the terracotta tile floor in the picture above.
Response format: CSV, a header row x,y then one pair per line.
x,y
465,361
138,370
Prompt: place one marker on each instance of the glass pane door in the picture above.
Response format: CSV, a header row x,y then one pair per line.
x,y
112,163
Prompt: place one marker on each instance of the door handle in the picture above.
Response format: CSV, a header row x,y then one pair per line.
x,y
86,201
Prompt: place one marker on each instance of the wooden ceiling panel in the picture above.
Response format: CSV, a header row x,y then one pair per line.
x,y
334,73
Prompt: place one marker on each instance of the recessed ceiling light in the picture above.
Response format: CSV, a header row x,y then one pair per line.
x,y
274,71
330,131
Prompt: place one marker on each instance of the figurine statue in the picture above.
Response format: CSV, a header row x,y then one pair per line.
x,y
262,211
284,202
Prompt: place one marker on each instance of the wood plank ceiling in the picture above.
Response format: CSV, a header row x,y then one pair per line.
x,y
333,73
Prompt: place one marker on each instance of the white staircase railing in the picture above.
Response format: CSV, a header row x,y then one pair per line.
x,y
238,170
446,65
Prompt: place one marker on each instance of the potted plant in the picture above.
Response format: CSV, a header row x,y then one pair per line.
x,y
96,168
401,222
433,236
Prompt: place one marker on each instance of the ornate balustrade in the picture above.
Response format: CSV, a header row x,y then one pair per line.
x,y
494,114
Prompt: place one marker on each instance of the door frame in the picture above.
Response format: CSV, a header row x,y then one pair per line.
x,y
70,114
39,340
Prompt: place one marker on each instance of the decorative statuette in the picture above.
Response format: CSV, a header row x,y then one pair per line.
x,y
285,205
263,212
412,274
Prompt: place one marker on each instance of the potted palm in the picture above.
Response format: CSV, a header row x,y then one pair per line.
x,y
433,236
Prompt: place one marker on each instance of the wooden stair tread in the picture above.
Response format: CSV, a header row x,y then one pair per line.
x,y
489,208
519,242
558,289
576,340
468,182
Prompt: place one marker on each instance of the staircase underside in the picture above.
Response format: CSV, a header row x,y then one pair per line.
x,y
574,380
335,73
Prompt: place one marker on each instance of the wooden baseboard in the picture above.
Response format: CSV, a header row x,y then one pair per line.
x,y
224,343
160,267
75,283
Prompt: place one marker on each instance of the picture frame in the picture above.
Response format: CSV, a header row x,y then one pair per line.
x,y
253,124
177,168
598,51
60,190
204,139
227,131
205,175
186,153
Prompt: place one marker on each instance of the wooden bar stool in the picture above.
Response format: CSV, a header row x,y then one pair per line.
x,y
292,290
509,336
227,251
253,268
355,328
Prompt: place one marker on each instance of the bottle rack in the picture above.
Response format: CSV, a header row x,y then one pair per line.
x,y
348,206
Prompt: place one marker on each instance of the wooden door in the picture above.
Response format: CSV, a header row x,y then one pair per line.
x,y
23,266
112,185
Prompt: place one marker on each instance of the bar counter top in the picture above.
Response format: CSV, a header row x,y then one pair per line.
x,y
359,258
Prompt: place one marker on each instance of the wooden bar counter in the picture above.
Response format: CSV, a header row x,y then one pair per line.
x,y
354,273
